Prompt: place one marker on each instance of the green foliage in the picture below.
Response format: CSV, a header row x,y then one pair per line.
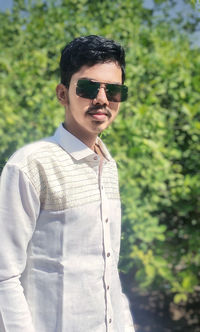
x,y
155,138
194,2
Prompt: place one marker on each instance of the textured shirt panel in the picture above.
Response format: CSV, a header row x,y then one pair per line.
x,y
63,183
60,181
110,180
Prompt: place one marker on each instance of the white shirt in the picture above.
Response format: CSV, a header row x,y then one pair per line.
x,y
60,239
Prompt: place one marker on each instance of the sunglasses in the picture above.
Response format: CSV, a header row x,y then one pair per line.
x,y
89,89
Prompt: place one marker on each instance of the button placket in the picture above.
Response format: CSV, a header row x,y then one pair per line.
x,y
94,163
108,253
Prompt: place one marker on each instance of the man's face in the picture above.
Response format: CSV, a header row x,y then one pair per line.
x,y
86,118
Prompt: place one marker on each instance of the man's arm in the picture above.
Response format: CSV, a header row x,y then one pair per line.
x,y
19,209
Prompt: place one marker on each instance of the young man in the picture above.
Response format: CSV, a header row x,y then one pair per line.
x,y
60,208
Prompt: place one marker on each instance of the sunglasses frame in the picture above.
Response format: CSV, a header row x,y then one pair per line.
x,y
89,89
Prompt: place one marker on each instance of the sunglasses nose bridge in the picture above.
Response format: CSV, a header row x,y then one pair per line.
x,y
101,94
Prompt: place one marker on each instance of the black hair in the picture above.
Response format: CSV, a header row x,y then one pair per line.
x,y
89,50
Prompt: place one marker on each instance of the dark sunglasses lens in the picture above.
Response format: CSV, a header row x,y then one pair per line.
x,y
87,89
116,92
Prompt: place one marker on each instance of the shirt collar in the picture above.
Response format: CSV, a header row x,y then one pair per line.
x,y
77,149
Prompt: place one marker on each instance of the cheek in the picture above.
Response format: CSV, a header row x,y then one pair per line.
x,y
114,107
114,115
76,103
84,104
80,103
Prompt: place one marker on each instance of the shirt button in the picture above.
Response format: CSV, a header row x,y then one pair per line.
x,y
108,287
96,157
102,187
106,220
110,320
108,254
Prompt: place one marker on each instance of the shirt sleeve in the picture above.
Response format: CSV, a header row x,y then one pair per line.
x,y
19,209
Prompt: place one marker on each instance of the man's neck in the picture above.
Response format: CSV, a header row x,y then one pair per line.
x,y
87,139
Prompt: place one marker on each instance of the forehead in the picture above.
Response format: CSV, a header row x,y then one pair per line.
x,y
108,72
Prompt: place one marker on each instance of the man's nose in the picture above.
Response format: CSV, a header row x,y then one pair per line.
x,y
101,97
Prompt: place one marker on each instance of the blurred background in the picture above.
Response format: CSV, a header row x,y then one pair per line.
x,y
155,138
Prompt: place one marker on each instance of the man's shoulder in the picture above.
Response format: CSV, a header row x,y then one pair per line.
x,y
34,152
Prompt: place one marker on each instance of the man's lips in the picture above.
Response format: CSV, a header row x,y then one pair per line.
x,y
100,116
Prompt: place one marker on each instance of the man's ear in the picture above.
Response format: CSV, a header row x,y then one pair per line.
x,y
62,94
